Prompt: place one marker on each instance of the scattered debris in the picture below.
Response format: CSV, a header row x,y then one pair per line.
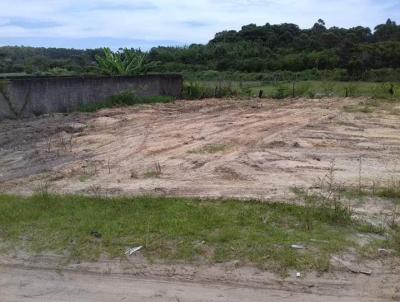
x,y
298,247
131,251
298,275
96,234
368,273
383,252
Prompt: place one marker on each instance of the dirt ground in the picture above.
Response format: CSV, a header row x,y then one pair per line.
x,y
40,278
212,148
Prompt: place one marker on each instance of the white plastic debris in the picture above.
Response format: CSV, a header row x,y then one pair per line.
x,y
298,275
133,250
298,247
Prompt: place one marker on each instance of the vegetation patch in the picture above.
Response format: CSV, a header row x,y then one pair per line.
x,y
321,89
293,88
383,233
176,229
388,190
211,149
363,109
155,173
199,90
125,99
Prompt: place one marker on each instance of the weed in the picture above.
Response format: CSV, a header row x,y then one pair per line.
x,y
156,173
365,227
391,190
96,191
157,167
395,238
384,189
327,201
393,218
43,189
65,140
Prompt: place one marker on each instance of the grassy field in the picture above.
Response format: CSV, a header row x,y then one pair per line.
x,y
280,90
177,229
328,88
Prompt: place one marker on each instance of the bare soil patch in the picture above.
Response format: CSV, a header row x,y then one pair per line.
x,y
211,148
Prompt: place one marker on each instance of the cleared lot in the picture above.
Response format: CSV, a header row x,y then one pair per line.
x,y
212,148
245,149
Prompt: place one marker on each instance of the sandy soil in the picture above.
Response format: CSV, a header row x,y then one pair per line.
x,y
212,148
41,279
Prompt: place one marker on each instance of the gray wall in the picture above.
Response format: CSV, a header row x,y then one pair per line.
x,y
34,96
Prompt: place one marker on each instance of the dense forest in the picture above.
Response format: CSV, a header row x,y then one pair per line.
x,y
253,49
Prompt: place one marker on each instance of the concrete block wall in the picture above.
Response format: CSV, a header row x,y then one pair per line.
x,y
25,97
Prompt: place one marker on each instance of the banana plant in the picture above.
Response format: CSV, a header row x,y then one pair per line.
x,y
127,62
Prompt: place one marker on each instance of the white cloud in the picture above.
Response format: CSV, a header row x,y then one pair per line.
x,y
184,22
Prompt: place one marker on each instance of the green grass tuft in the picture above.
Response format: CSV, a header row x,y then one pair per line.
x,y
210,149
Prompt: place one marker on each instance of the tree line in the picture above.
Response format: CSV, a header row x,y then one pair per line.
x,y
253,49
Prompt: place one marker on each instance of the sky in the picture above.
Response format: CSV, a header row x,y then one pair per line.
x,y
147,23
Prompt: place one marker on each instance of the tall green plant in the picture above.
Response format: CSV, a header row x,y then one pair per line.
x,y
127,62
